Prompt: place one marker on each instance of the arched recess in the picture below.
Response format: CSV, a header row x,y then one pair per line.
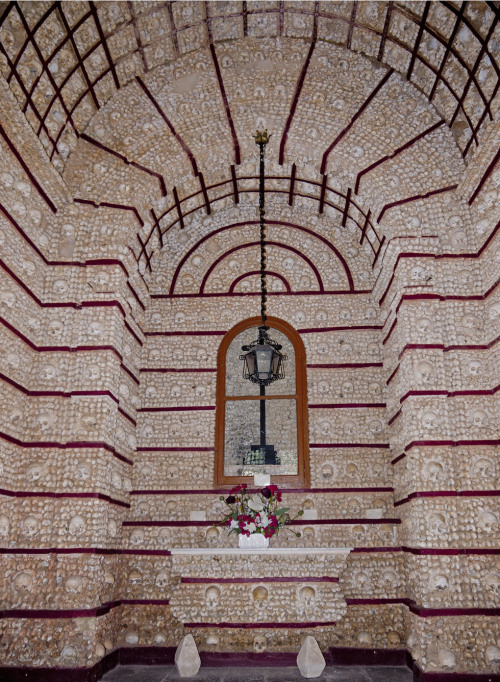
x,y
300,479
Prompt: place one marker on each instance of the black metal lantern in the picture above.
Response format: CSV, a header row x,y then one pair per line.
x,y
263,361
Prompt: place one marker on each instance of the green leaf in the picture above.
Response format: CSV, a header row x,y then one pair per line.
x,y
282,511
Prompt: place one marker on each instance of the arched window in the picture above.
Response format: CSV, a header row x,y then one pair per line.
x,y
241,414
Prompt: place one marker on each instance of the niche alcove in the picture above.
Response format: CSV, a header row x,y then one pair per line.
x,y
238,419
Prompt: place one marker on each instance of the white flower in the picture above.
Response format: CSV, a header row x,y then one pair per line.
x,y
251,527
234,524
264,521
255,504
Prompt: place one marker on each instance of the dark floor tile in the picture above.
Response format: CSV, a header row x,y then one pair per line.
x,y
389,674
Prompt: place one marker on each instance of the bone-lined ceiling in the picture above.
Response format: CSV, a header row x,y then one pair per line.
x,y
64,60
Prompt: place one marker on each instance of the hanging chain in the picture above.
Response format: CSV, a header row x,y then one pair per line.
x,y
262,139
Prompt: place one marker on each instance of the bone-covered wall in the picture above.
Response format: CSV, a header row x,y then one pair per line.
x,y
129,247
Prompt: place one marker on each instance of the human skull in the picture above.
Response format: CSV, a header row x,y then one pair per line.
x,y
423,325
23,582
488,522
92,372
76,526
349,427
74,584
59,286
260,596
48,372
474,368
112,528
7,298
424,371
45,421
327,472
162,579
137,536
389,579
436,523
438,581
347,388
69,655
418,273
365,638
82,471
259,644
393,639
95,328
480,419
323,387
492,654
30,527
362,581
358,533
444,659
135,578
212,597
212,536
433,470
429,420
307,598
34,472
483,468
351,470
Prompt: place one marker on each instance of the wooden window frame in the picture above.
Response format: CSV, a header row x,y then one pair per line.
x,y
302,478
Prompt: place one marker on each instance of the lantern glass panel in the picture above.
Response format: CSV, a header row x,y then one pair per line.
x,y
236,385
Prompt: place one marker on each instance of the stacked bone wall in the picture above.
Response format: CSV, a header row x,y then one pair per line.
x,y
135,261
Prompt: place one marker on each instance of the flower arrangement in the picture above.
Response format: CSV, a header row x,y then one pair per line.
x,y
256,513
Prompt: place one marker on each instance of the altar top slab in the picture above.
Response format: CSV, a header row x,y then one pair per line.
x,y
267,551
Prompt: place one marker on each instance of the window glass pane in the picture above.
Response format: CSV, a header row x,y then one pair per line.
x,y
243,452
236,385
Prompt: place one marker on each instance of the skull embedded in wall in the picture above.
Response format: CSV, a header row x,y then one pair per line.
x,y
483,468
162,579
137,537
393,639
364,638
82,471
424,325
212,597
389,579
135,578
488,522
438,581
327,472
429,420
112,528
260,595
436,523
433,470
35,472
358,533
480,419
443,659
349,427
492,654
418,274
23,582
60,286
74,584
424,372
29,527
45,421
474,368
352,470
362,581
76,526
69,656
212,536
306,599
259,644
492,586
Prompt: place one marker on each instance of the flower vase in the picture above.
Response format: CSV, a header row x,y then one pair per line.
x,y
253,541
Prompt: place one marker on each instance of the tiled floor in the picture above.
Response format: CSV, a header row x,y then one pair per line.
x,y
331,674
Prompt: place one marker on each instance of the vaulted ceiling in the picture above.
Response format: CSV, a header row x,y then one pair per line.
x,y
151,107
